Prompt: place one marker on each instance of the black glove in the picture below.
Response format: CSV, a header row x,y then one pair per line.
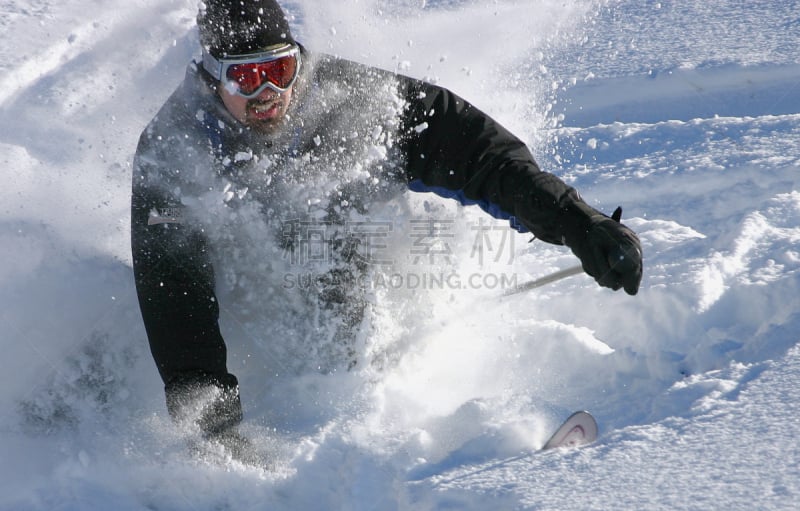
x,y
609,251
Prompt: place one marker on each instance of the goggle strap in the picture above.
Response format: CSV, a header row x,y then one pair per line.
x,y
212,65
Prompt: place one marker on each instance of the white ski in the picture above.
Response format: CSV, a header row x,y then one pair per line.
x,y
579,429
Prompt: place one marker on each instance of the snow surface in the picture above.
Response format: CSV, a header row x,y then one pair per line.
x,y
685,113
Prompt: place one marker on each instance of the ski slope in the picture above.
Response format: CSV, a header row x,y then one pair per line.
x,y
687,114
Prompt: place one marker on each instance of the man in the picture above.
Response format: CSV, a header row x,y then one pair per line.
x,y
263,131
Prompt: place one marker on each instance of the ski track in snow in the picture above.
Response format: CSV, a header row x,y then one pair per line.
x,y
685,113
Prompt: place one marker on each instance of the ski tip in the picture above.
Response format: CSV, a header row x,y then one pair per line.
x,y
580,428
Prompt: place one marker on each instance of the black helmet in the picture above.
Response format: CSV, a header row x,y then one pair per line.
x,y
241,27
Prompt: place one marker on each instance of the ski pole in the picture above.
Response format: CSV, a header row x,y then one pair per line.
x,y
615,258
543,281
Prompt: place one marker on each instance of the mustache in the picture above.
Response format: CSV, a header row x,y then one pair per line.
x,y
255,102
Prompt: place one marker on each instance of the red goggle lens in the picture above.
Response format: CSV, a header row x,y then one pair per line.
x,y
279,72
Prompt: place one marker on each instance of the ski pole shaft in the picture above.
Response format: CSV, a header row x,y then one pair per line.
x,y
543,281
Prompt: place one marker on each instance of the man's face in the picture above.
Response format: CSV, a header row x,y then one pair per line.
x,y
264,113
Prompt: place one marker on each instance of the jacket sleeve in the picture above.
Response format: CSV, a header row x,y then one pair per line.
x,y
455,150
174,280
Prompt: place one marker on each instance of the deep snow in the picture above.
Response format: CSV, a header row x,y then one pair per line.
x,y
685,113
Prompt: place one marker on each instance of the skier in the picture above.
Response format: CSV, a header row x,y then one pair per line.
x,y
260,104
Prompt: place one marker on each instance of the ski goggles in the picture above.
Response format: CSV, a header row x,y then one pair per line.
x,y
252,74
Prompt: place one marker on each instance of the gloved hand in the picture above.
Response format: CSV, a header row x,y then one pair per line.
x,y
609,251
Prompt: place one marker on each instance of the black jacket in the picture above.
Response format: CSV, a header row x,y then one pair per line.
x,y
439,143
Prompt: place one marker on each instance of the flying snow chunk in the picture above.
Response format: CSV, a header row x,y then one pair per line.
x,y
377,152
419,128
